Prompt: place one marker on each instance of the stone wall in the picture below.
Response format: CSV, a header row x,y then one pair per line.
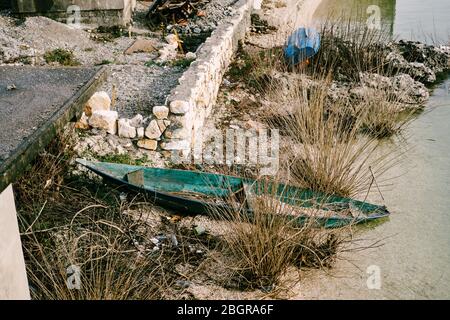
x,y
101,12
192,100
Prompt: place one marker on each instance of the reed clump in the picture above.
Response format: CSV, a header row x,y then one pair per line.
x,y
261,247
349,48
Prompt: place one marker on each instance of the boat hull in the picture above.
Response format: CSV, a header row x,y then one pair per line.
x,y
161,183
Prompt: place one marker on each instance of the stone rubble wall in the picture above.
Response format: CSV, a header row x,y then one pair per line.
x,y
191,102
174,127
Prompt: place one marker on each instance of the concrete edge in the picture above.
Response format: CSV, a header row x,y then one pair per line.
x,y
12,167
13,273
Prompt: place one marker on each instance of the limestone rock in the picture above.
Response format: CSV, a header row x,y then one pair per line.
x,y
402,87
126,130
137,121
83,123
100,101
106,120
148,144
162,125
411,91
432,57
172,39
153,131
140,132
179,107
169,51
191,56
175,145
161,112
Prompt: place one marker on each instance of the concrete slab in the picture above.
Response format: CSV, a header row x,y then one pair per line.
x,y
34,104
102,12
13,275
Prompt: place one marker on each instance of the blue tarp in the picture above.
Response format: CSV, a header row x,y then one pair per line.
x,y
303,44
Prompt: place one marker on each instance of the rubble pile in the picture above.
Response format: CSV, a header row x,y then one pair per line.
x,y
105,123
190,16
422,62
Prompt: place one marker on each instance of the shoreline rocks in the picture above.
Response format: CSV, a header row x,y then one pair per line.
x,y
421,61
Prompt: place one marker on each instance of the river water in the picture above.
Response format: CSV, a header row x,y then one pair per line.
x,y
414,260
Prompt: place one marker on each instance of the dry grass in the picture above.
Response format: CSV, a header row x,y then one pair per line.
x,y
383,115
77,221
338,150
263,246
349,48
333,156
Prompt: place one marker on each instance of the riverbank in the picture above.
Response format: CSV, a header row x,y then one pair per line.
x,y
239,107
413,259
197,257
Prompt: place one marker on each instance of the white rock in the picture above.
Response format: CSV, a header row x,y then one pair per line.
x,y
106,120
120,150
161,112
100,101
179,107
137,121
140,132
167,53
162,125
126,130
191,56
148,144
153,131
172,39
83,123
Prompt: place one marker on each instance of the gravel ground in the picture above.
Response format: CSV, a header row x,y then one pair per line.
x,y
138,87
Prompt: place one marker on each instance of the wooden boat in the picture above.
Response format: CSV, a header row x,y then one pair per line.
x,y
200,192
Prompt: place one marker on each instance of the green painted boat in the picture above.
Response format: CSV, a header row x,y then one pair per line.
x,y
197,193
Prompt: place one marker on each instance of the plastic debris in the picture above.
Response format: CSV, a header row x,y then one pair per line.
x,y
199,230
302,45
123,196
154,241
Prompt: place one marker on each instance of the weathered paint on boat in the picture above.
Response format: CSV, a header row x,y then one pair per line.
x,y
161,184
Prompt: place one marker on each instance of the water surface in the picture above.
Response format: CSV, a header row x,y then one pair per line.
x,y
414,261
